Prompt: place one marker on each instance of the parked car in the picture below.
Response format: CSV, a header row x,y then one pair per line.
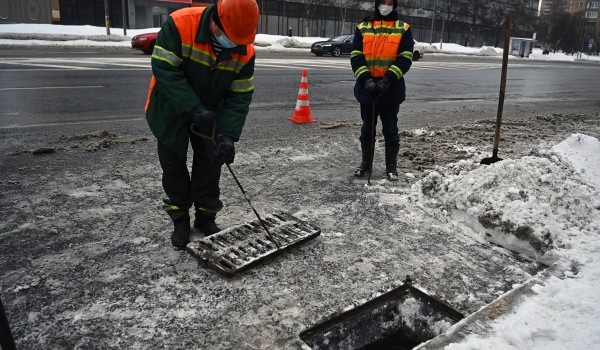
x,y
341,44
418,51
144,42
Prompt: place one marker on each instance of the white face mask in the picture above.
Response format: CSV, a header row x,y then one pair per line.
x,y
385,9
225,42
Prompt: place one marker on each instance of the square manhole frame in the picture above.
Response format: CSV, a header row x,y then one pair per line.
x,y
336,322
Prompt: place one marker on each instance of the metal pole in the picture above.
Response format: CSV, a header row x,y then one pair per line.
x,y
580,54
106,17
443,23
124,9
507,30
432,22
262,223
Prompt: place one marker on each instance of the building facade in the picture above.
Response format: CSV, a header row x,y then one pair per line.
x,y
431,20
25,11
138,13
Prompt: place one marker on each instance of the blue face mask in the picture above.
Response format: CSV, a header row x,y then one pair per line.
x,y
225,42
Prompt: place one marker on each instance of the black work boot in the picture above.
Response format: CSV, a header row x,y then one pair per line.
x,y
206,224
181,234
391,161
367,160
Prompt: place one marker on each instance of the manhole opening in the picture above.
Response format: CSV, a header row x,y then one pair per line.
x,y
400,319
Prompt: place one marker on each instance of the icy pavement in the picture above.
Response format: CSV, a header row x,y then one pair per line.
x,y
85,259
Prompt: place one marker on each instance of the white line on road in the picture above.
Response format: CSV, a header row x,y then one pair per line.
x,y
80,122
53,87
49,65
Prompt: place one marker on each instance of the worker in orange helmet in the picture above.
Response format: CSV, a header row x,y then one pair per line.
x,y
200,94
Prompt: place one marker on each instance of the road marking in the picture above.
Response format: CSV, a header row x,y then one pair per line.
x,y
143,63
53,87
76,122
47,65
99,62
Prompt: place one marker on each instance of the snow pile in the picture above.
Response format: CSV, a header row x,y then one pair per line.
x,y
58,29
535,205
574,150
489,51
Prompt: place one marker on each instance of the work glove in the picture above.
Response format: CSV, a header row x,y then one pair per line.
x,y
381,87
225,150
369,86
202,116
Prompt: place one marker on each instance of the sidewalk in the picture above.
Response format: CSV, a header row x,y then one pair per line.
x,y
86,260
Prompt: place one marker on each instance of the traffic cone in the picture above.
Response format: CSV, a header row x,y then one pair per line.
x,y
302,112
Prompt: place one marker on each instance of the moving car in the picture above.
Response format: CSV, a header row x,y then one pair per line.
x,y
341,44
144,42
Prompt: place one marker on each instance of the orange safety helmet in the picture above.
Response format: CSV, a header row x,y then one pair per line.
x,y
239,19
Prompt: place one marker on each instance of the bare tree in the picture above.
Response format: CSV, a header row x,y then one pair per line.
x,y
473,12
450,13
496,19
524,18
555,26
308,9
343,6
405,6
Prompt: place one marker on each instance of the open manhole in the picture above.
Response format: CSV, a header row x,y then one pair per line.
x,y
238,248
400,319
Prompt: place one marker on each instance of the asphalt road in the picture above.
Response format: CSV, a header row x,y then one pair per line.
x,y
95,89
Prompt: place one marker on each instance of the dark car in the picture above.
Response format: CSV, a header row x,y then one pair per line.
x,y
144,42
341,44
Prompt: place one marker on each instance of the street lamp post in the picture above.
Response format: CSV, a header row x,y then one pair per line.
x,y
124,9
445,13
106,17
432,22
580,54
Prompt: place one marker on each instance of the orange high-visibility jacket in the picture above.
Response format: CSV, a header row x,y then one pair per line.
x,y
380,43
187,71
382,48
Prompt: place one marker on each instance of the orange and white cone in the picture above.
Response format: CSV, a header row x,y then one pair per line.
x,y
302,112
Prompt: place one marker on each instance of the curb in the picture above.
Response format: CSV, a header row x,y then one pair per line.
x,y
481,321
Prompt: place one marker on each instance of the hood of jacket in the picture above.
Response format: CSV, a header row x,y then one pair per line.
x,y
391,17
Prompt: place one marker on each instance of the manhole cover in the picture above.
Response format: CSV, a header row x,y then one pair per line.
x,y
238,248
400,319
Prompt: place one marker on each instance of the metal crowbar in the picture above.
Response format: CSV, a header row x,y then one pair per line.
x,y
262,223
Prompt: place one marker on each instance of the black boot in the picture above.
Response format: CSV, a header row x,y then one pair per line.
x,y
206,224
181,234
367,160
391,161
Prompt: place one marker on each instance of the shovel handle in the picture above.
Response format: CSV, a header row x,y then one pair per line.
x,y
507,29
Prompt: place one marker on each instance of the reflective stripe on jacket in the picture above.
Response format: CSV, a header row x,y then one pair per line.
x,y
381,40
186,71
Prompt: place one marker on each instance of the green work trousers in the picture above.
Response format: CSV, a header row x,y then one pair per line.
x,y
201,188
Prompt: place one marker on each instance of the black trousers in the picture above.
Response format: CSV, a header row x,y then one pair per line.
x,y
201,188
389,121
